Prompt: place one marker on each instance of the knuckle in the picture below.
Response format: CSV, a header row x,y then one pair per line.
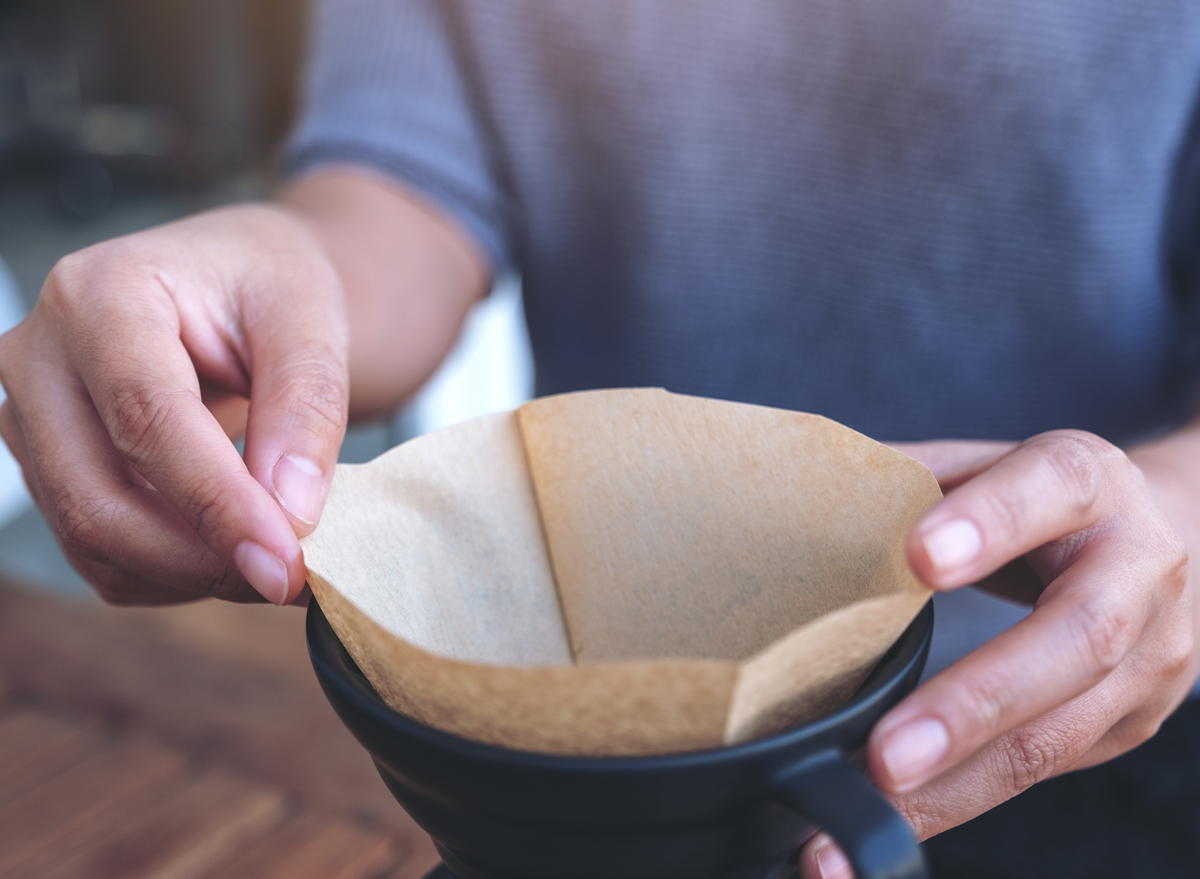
x,y
1176,566
1008,512
923,812
1031,758
983,698
85,526
89,289
323,402
1179,653
61,287
138,418
1177,661
1106,632
203,504
1079,461
70,281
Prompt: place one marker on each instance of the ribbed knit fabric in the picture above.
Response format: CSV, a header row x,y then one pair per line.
x,y
922,218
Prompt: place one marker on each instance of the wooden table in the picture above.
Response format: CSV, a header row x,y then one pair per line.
x,y
181,743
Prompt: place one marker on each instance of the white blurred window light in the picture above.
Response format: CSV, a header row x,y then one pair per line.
x,y
14,498
489,370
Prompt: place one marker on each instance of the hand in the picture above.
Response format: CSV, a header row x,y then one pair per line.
x,y
136,363
1070,522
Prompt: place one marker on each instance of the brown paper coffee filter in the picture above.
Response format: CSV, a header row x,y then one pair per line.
x,y
622,572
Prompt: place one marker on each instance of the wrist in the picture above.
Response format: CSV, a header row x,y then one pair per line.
x,y
1171,467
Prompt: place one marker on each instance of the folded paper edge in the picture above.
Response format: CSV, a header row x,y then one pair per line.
x,y
519,415
610,710
617,708
765,696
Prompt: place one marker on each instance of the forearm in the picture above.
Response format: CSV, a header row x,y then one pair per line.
x,y
409,273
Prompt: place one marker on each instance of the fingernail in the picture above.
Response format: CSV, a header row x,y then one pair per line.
x,y
913,750
952,545
264,570
831,863
298,486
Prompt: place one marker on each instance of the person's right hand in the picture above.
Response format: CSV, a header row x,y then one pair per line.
x,y
113,381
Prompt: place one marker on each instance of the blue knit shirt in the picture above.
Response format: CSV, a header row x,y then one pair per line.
x,y
922,218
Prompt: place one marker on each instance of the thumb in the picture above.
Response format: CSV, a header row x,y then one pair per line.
x,y
299,395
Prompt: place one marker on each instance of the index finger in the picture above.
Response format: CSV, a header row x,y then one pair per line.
x,y
147,393
1083,627
1067,645
1054,485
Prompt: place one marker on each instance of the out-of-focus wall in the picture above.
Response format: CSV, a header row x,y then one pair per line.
x,y
227,67
116,115
180,91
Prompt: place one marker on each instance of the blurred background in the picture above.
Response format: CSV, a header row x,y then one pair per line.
x,y
189,742
116,115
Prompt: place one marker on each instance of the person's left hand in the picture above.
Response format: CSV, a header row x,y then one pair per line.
x,y
1070,522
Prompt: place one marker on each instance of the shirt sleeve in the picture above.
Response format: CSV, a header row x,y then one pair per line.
x,y
384,89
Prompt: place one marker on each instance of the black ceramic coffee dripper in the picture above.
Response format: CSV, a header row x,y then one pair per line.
x,y
740,812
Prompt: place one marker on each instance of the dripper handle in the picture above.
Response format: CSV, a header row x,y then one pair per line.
x,y
836,796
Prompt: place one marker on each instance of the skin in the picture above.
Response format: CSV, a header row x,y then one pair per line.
x,y
145,354
1098,540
